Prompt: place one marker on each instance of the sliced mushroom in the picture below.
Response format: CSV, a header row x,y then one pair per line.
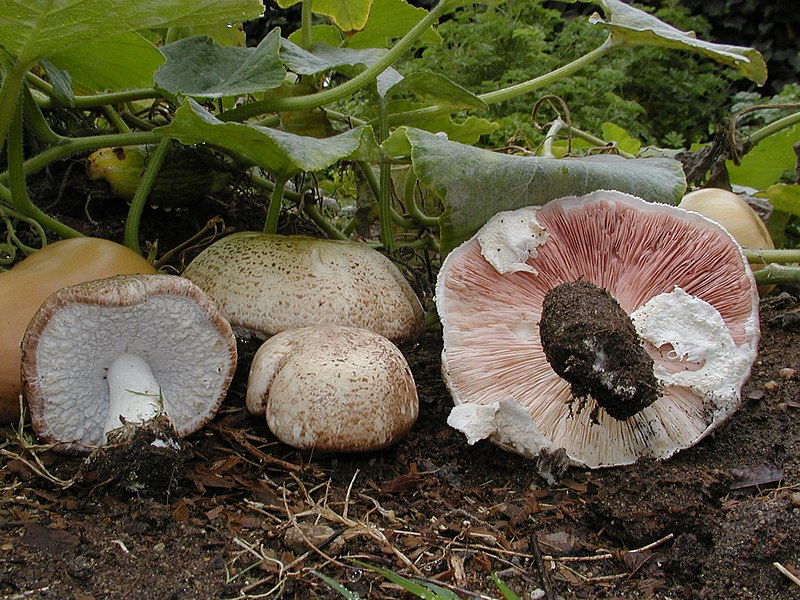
x,y
266,284
125,349
679,278
333,389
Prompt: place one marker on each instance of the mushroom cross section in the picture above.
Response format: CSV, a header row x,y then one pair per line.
x,y
265,284
125,349
684,289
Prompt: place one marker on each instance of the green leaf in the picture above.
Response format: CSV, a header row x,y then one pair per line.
x,y
35,29
319,34
468,131
336,586
766,162
389,20
122,62
61,82
621,138
435,88
348,15
632,26
475,184
407,584
322,58
508,593
784,197
200,67
282,154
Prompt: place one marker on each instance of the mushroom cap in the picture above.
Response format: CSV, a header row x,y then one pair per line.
x,y
333,389
682,279
80,330
266,283
24,287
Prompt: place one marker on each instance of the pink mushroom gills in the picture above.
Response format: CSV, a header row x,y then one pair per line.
x,y
265,284
333,388
125,349
604,325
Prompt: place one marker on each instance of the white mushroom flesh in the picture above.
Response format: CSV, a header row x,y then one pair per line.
x,y
134,395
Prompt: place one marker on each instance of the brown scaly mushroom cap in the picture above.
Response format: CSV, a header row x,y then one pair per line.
x,y
265,284
671,278
333,389
125,348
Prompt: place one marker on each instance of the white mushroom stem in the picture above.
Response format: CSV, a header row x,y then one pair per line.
x,y
134,392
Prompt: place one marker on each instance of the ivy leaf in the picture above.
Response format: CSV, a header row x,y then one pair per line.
x,y
122,62
389,20
200,67
281,153
475,184
630,26
38,28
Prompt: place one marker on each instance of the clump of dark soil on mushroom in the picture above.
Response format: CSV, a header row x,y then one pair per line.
x,y
711,522
591,342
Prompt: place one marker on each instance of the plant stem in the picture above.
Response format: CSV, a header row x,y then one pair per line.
x,y
385,184
340,92
306,34
320,221
519,89
274,208
20,200
9,98
777,274
35,119
761,257
409,195
142,192
90,101
74,145
774,127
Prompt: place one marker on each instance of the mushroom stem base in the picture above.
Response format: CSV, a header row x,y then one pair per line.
x,y
589,340
134,393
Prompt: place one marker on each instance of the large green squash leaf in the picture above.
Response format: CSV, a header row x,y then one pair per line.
x,y
200,67
389,20
283,154
764,164
475,184
348,15
632,26
34,29
122,62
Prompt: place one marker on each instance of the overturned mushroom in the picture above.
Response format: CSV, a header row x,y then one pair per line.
x,y
24,287
530,366
268,283
125,349
333,389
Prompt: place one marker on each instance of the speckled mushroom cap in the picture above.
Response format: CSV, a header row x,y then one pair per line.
x,y
333,389
80,330
268,283
681,278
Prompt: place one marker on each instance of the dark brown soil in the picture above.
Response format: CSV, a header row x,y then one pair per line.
x,y
250,518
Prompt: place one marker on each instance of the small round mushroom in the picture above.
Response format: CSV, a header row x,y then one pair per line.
x,y
333,389
265,284
125,349
24,287
530,366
